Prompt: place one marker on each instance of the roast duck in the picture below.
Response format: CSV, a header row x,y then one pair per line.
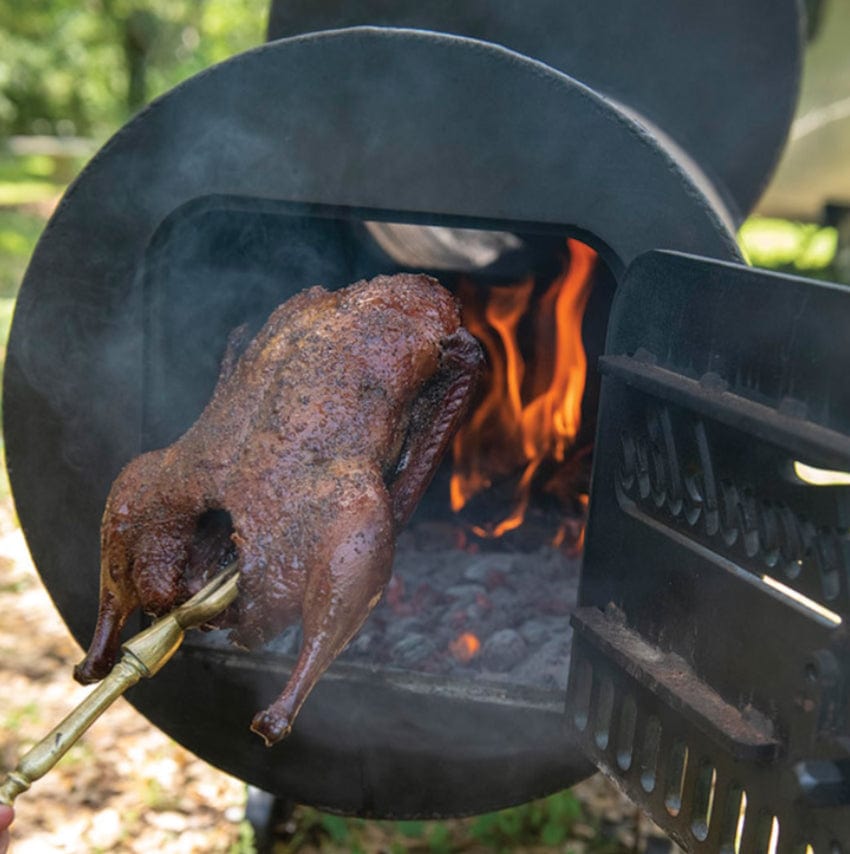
x,y
313,452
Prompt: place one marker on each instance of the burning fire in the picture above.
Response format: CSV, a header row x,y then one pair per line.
x,y
531,412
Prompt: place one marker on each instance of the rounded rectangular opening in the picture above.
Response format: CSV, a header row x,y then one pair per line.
x,y
486,573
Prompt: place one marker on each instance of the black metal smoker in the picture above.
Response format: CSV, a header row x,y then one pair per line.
x,y
261,177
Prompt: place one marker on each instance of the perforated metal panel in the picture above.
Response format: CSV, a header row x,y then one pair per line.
x,y
710,665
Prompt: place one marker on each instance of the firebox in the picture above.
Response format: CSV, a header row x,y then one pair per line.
x,y
335,156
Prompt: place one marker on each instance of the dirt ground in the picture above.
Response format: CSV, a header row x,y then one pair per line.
x,y
125,787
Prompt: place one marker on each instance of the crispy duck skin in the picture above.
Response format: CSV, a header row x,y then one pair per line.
x,y
313,452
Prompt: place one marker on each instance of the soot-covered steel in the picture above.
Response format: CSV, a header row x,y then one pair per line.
x,y
699,72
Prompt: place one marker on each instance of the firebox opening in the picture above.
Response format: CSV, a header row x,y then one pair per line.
x,y
486,573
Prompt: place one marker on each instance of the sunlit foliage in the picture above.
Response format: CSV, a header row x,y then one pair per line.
x,y
83,66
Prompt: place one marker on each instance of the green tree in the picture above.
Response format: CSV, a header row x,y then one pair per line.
x,y
82,66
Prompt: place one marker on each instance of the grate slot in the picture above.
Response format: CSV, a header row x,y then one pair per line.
x,y
626,733
704,793
752,837
767,833
580,693
675,770
649,754
604,709
733,803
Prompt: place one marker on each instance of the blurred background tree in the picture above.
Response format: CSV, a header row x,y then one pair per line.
x,y
81,67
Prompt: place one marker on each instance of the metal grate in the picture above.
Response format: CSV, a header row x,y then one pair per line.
x,y
709,674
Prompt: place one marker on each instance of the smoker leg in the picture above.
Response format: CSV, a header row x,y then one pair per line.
x,y
264,812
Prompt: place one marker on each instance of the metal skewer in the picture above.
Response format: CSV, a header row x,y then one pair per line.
x,y
144,656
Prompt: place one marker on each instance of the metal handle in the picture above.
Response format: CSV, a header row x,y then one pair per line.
x,y
144,656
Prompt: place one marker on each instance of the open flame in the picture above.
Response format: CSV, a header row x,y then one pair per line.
x,y
531,411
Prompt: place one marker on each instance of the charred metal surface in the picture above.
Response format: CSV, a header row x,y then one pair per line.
x,y
710,673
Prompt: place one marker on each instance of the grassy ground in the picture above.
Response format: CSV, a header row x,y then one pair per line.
x,y
129,788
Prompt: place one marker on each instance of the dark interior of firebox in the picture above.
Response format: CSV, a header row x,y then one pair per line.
x,y
486,573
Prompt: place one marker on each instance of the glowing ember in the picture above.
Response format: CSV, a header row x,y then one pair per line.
x,y
531,412
465,647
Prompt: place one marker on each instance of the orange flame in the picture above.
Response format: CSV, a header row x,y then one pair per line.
x,y
530,413
465,647
572,531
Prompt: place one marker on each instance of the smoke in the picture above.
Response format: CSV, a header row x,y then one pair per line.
x,y
214,265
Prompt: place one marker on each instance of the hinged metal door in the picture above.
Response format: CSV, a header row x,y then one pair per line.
x,y
710,667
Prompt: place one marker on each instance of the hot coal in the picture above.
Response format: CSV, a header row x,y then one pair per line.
x,y
516,605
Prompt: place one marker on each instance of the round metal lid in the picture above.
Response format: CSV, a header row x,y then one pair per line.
x,y
721,79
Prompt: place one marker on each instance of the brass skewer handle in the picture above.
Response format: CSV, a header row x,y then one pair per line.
x,y
144,655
